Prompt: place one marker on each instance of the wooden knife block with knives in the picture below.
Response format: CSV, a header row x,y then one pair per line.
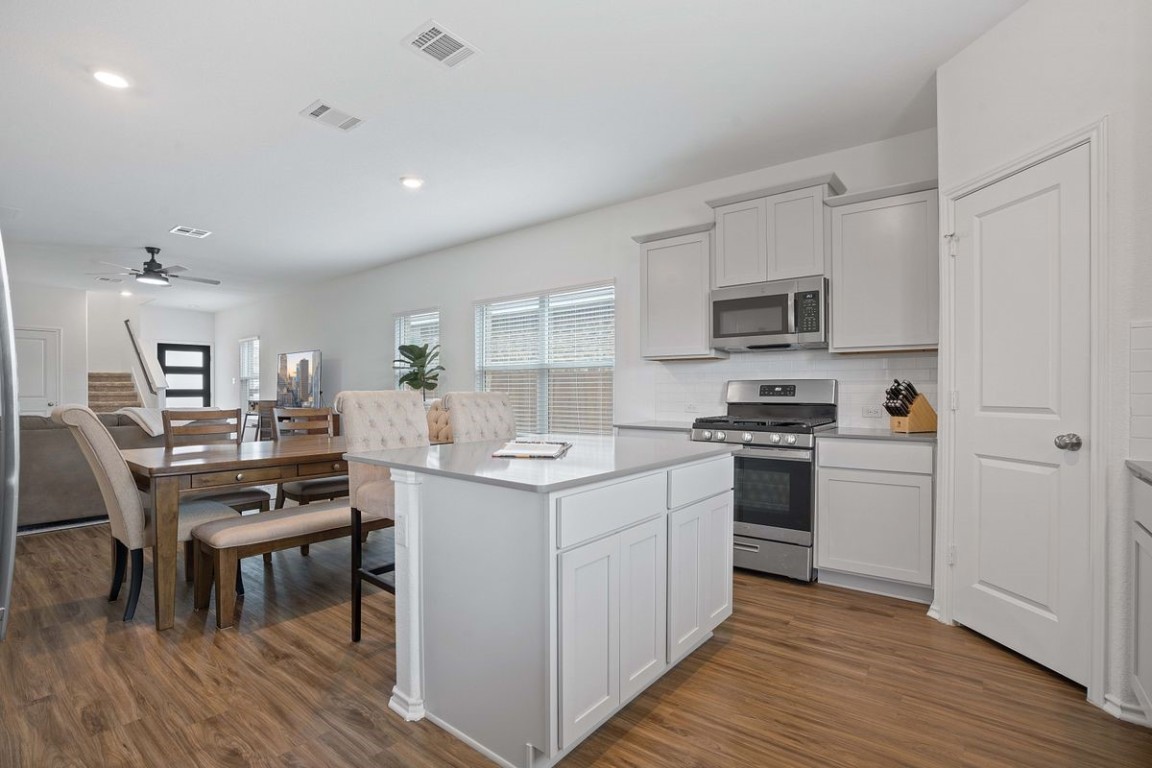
x,y
910,410
921,417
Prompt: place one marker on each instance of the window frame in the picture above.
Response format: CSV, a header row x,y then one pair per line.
x,y
245,393
543,393
397,319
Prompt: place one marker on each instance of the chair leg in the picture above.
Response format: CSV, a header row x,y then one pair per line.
x,y
239,580
303,547
189,560
202,591
134,583
357,583
224,563
119,560
267,555
279,497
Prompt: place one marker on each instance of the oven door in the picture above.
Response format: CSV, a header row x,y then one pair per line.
x,y
774,492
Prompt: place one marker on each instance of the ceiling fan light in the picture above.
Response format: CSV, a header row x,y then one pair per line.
x,y
111,79
148,279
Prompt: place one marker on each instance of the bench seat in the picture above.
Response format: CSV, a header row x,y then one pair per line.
x,y
220,547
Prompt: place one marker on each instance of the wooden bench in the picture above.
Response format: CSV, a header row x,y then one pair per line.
x,y
220,546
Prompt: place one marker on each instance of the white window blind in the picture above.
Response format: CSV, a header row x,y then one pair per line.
x,y
416,328
249,370
553,356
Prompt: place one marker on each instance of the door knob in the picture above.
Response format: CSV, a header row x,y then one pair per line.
x,y
1069,442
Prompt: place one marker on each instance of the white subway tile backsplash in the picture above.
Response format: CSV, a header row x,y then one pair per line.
x,y
1141,426
1140,392
1141,360
862,378
1142,405
1141,383
1142,335
1140,448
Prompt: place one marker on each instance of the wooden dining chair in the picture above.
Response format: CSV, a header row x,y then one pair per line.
x,y
206,427
130,523
290,422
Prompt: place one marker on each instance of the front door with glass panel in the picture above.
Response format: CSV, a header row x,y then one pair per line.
x,y
188,369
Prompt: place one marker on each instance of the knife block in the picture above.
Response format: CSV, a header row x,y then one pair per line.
x,y
921,417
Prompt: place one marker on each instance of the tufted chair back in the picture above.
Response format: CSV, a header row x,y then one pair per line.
x,y
122,500
439,430
480,416
372,421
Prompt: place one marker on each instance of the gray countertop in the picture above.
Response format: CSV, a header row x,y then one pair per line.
x,y
861,433
1141,469
659,425
592,458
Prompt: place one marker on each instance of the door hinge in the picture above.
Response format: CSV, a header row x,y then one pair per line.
x,y
951,239
952,554
954,400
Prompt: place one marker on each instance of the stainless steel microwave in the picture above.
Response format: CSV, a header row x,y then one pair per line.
x,y
773,315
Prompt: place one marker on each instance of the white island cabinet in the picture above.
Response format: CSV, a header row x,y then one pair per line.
x,y
1141,485
536,598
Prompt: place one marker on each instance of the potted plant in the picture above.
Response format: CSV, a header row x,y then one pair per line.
x,y
419,362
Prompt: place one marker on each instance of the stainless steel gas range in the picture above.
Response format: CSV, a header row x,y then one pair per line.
x,y
775,485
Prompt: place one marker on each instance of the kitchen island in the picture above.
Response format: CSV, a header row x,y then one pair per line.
x,y
536,597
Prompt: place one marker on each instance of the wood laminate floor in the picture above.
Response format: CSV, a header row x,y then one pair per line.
x,y
801,675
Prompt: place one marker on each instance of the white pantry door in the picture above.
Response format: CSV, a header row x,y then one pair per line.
x,y
1022,327
38,369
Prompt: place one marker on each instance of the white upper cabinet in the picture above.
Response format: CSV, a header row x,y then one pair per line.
x,y
885,269
772,234
676,319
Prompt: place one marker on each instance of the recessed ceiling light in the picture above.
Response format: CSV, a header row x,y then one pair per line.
x,y
125,293
111,79
412,182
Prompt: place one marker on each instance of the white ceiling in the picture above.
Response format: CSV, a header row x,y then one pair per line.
x,y
569,106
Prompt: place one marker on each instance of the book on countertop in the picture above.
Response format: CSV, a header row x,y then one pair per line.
x,y
532,450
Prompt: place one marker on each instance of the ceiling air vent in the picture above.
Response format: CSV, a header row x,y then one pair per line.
x,y
199,234
329,115
433,40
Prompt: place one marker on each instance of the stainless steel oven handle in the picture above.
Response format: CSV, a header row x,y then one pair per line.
x,y
745,547
776,453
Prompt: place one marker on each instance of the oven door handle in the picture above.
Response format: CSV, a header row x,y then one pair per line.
x,y
776,453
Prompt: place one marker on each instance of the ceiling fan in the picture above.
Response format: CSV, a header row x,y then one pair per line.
x,y
155,273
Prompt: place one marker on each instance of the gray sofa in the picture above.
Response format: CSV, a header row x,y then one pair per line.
x,y
56,484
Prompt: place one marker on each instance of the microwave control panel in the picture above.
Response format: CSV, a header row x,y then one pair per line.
x,y
808,312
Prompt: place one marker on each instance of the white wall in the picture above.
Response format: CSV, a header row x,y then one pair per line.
x,y
39,306
109,350
1052,68
350,319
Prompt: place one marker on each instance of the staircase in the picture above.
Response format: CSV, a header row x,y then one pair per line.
x,y
108,392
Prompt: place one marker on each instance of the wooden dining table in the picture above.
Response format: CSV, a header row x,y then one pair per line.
x,y
168,474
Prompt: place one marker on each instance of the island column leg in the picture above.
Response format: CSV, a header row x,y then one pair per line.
x,y
408,694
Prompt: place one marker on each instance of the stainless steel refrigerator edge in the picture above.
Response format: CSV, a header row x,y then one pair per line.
x,y
9,446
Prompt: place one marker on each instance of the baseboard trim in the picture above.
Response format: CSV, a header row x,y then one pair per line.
x,y
409,709
912,592
1127,711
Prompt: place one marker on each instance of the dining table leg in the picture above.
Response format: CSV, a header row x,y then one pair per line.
x,y
165,520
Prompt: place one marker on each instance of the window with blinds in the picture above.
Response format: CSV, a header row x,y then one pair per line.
x,y
416,328
553,356
249,370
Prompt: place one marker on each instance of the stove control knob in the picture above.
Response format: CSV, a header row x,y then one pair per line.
x,y
720,436
706,434
773,438
791,439
746,437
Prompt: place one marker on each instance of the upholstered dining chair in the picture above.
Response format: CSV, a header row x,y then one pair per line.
x,y
480,416
131,525
205,427
372,421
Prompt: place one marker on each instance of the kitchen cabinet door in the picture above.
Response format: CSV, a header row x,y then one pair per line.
x,y
795,236
676,317
699,571
741,244
643,606
1142,618
885,274
589,636
875,524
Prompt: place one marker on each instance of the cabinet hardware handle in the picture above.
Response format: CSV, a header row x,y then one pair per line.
x,y
746,547
239,475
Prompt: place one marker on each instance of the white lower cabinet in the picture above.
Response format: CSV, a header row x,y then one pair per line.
x,y
1142,594
613,594
874,512
699,572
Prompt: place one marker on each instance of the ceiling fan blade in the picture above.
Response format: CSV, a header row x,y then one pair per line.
x,y
175,268
109,274
205,280
119,266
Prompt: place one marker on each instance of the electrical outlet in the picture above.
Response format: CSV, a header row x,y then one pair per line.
x,y
872,412
691,408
